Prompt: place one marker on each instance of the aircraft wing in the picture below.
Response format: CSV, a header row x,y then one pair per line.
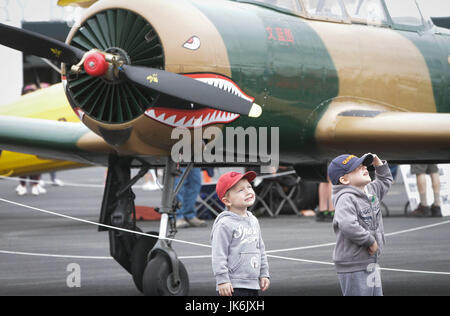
x,y
364,127
53,140
81,3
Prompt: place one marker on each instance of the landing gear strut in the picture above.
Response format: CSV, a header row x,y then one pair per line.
x,y
165,274
152,262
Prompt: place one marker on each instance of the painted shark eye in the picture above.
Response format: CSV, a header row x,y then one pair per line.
x,y
193,43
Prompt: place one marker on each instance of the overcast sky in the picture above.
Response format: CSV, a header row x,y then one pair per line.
x,y
48,9
435,7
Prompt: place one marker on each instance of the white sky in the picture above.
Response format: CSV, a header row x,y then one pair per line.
x,y
32,10
435,7
41,10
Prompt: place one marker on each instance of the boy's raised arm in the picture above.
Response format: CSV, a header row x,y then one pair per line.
x,y
384,178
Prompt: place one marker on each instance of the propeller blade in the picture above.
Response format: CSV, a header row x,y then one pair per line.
x,y
191,90
171,84
39,45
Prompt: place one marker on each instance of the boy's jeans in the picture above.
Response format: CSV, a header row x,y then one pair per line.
x,y
362,283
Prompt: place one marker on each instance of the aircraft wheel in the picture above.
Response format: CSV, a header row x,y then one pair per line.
x,y
139,257
157,280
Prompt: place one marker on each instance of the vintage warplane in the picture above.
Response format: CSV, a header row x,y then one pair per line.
x,y
334,76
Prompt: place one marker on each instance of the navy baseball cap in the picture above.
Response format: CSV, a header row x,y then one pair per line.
x,y
344,164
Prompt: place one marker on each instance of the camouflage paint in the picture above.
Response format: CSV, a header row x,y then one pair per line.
x,y
299,70
281,61
435,50
390,70
300,76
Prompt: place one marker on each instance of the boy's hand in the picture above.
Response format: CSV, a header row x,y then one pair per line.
x,y
376,161
226,289
264,283
373,249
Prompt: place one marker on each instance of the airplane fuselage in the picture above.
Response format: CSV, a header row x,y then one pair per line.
x,y
297,68
304,73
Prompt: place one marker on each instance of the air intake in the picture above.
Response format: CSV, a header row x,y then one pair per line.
x,y
125,33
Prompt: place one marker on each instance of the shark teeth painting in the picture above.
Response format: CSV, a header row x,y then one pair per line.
x,y
200,117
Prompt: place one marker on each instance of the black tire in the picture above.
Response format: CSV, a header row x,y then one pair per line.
x,y
157,278
139,257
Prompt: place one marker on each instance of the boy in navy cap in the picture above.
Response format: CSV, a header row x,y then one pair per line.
x,y
358,222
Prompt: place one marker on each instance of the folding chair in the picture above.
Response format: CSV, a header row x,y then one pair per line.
x,y
288,197
207,200
272,185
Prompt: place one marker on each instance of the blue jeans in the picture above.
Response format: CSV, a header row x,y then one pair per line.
x,y
188,193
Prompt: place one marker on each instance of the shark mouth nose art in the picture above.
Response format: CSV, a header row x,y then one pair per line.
x,y
190,118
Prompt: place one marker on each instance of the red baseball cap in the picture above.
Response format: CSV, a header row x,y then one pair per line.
x,y
229,179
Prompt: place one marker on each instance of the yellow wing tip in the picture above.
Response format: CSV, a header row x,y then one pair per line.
x,y
81,3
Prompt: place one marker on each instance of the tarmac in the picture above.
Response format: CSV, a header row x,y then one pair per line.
x,y
38,251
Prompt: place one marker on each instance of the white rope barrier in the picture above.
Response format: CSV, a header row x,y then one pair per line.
x,y
208,246
68,184
99,224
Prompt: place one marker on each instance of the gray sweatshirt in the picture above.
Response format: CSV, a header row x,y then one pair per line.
x,y
358,222
238,251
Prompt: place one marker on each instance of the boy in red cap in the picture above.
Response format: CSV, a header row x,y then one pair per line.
x,y
239,259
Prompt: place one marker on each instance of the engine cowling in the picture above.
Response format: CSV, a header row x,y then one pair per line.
x,y
121,32
153,34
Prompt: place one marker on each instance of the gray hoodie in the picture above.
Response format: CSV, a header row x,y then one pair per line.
x,y
358,222
238,251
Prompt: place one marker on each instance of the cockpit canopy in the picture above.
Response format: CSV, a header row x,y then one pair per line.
x,y
402,14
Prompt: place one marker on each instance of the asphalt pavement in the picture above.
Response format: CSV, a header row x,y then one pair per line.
x,y
40,252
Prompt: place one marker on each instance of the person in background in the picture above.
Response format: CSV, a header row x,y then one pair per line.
x,y
424,209
187,196
326,208
55,181
36,188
